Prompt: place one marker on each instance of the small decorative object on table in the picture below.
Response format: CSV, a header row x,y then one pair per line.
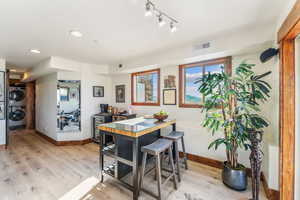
x,y
161,116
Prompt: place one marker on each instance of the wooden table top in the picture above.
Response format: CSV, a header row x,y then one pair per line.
x,y
135,127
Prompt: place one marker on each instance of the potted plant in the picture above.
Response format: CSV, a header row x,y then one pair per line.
x,y
231,106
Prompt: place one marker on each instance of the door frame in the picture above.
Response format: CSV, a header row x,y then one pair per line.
x,y
6,85
286,38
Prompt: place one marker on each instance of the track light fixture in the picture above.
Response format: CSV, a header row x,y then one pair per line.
x,y
173,27
161,21
148,9
152,10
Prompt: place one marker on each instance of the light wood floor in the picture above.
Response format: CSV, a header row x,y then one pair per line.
x,y
34,169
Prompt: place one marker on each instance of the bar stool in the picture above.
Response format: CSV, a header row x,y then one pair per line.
x,y
175,136
155,149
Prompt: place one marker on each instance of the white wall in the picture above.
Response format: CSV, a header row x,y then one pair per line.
x,y
189,119
230,43
297,142
46,93
89,105
2,122
89,74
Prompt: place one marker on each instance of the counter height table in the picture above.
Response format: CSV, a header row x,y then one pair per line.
x,y
129,136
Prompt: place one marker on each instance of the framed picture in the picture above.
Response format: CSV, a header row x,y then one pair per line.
x,y
169,96
2,86
74,93
64,93
2,110
169,81
120,93
98,91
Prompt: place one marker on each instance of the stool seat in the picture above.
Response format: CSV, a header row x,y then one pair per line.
x,y
157,147
174,135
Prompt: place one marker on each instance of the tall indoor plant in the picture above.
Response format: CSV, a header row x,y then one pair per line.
x,y
232,105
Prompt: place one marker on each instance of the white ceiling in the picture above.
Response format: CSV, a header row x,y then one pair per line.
x,y
119,26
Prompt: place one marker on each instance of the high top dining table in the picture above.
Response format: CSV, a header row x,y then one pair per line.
x,y
128,136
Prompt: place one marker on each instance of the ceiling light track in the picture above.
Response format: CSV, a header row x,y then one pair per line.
x,y
151,9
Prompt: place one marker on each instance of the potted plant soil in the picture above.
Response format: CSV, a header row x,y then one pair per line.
x,y
231,106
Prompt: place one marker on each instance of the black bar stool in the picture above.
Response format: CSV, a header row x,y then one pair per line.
x,y
155,149
175,136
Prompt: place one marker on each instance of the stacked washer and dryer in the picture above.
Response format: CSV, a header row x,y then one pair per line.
x,y
17,105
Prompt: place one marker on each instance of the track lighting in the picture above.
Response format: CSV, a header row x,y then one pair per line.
x,y
173,27
148,9
152,10
161,21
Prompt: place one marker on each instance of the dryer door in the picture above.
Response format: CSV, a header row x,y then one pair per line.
x,y
17,115
16,95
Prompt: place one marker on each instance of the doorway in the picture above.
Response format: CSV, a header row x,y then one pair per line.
x,y
20,103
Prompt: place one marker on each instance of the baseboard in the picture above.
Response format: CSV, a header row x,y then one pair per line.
x,y
203,160
64,143
2,147
270,193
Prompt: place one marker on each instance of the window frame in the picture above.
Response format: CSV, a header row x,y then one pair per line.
x,y
227,61
133,75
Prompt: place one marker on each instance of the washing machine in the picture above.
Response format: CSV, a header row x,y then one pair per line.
x,y
16,117
16,110
17,96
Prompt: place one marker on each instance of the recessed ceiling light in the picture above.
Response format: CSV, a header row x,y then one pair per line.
x,y
13,70
36,51
76,33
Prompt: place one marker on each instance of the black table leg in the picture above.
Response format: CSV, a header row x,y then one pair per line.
x,y
101,159
135,174
174,147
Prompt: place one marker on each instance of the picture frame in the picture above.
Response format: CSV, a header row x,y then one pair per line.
x,y
74,93
170,82
169,97
120,93
98,91
2,110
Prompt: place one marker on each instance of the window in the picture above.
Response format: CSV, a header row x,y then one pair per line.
x,y
188,91
145,88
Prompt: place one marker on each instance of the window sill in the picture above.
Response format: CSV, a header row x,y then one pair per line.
x,y
190,106
145,104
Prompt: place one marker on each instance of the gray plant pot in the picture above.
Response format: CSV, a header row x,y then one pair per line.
x,y
235,179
